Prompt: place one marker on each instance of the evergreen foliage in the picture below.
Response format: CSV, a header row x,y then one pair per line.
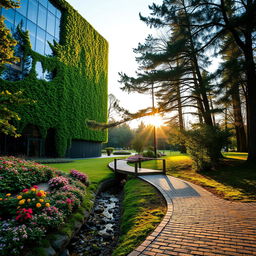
x,y
78,90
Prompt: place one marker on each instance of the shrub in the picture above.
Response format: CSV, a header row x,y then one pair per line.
x,y
204,144
121,152
17,174
109,150
80,176
28,213
58,182
136,158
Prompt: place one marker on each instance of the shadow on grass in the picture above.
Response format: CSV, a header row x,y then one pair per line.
x,y
234,179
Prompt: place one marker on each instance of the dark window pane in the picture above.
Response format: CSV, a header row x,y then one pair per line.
x,y
51,8
23,7
32,10
49,38
58,13
20,19
9,15
42,12
50,23
57,29
44,2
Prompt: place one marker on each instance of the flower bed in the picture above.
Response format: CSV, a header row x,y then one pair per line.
x,y
28,213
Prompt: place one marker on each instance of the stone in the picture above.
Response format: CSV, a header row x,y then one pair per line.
x,y
60,242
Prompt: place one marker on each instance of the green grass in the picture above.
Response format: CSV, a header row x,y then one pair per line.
x,y
96,169
233,180
143,208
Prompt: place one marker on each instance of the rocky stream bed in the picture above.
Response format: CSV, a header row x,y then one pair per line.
x,y
98,236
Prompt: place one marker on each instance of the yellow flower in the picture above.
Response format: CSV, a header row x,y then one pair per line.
x,y
1,199
33,189
41,200
47,205
8,194
28,200
19,197
38,205
22,201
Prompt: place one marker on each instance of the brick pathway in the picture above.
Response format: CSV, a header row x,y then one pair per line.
x,y
198,223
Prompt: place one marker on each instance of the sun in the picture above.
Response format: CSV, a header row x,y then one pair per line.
x,y
155,120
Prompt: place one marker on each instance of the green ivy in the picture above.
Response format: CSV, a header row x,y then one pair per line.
x,y
78,91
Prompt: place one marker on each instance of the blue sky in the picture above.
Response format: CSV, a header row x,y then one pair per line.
x,y
118,22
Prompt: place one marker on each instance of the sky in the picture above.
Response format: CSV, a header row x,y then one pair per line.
x,y
119,23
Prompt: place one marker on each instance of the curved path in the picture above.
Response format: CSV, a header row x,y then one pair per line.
x,y
199,223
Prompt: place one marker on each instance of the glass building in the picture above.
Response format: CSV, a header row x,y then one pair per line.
x,y
40,18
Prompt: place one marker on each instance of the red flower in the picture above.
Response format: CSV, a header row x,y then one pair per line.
x,y
35,186
39,194
25,190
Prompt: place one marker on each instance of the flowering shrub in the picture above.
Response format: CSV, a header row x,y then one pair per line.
x,y
58,182
136,158
17,174
27,213
80,176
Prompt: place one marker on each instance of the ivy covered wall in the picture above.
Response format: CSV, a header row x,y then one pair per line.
x,y
78,90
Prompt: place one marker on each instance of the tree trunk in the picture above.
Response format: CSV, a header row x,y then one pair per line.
x,y
239,124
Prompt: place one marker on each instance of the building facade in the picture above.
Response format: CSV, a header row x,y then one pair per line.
x,y
63,68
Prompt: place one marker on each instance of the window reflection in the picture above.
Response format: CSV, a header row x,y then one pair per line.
x,y
32,10
20,20
23,7
42,14
40,18
43,75
50,23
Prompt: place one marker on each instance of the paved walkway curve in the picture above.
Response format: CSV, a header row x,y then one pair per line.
x,y
199,223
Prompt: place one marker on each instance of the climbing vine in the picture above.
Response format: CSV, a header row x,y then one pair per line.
x,y
77,92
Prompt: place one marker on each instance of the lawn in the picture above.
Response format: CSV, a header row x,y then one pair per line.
x,y
234,179
96,169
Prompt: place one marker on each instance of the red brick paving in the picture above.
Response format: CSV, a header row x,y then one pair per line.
x,y
198,223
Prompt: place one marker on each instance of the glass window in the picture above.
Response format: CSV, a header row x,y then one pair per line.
x,y
32,10
51,8
50,23
49,38
9,15
44,3
31,27
9,25
57,28
42,12
58,13
40,41
39,70
20,19
23,7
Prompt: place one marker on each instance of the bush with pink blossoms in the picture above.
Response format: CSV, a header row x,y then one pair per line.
x,y
58,182
80,176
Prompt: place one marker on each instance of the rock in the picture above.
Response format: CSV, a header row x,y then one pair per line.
x,y
60,242
65,253
98,209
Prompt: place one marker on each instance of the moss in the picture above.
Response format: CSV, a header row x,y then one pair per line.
x,y
78,91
